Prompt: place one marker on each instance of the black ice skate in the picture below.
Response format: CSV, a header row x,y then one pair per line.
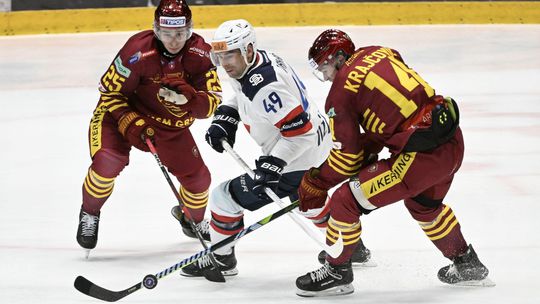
x,y
361,256
203,227
466,270
227,265
326,281
87,233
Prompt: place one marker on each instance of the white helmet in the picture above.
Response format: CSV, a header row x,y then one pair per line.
x,y
234,34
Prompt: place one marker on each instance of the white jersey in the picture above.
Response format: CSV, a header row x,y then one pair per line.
x,y
275,109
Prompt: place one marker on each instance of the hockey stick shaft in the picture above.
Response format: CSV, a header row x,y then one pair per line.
x,y
87,287
333,250
215,275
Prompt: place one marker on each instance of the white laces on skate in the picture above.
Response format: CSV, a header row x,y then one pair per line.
x,y
204,226
204,262
324,272
453,271
89,224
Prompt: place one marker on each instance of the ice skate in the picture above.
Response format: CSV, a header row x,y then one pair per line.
x,y
87,232
361,256
326,281
466,270
203,227
227,265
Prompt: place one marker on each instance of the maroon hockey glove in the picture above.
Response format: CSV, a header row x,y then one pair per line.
x,y
135,130
179,86
312,192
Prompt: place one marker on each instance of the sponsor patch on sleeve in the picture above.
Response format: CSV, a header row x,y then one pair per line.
x,y
120,68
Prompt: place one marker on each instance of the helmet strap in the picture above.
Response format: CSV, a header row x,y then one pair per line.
x,y
248,63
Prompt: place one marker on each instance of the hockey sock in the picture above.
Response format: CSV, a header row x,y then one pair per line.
x,y
350,232
222,227
444,231
194,204
96,190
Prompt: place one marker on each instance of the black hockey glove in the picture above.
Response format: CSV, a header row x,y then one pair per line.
x,y
267,174
224,125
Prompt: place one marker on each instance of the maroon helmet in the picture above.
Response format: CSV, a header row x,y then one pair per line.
x,y
172,14
329,44
172,21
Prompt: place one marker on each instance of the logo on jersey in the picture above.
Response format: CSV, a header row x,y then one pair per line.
x,y
255,79
139,55
195,152
120,68
199,52
373,168
331,113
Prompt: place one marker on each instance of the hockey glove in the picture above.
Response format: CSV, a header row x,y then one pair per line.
x,y
224,125
135,129
312,193
176,90
267,174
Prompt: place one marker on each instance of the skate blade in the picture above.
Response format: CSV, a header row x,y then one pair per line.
x,y
366,264
87,253
487,282
334,291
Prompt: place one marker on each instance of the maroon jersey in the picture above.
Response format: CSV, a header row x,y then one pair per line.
x,y
132,82
372,103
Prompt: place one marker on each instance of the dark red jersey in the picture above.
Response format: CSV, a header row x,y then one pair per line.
x,y
132,82
371,102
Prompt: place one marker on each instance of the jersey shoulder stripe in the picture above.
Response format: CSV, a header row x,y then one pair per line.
x,y
258,77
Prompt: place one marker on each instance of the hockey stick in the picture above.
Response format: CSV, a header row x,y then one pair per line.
x,y
333,250
150,281
211,274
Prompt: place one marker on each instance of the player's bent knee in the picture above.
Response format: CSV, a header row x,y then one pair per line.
x,y
197,181
355,188
222,203
109,163
343,206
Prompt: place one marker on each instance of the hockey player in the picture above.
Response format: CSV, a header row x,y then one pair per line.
x,y
157,85
396,109
272,103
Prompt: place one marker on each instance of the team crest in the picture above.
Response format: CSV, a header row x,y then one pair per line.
x,y
171,107
255,79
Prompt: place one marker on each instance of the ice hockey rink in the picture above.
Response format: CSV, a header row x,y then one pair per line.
x,y
48,90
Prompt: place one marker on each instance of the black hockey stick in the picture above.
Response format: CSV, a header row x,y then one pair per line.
x,y
150,281
212,274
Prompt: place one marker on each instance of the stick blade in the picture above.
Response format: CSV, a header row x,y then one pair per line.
x,y
85,286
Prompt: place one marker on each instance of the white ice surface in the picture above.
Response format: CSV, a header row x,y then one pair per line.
x,y
47,94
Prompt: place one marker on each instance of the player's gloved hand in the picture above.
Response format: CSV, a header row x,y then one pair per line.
x,y
312,192
176,90
135,129
267,174
224,125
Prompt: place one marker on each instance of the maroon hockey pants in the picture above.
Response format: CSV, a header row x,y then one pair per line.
x,y
110,155
422,180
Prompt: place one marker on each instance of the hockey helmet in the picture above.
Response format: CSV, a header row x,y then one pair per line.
x,y
173,14
327,46
232,35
